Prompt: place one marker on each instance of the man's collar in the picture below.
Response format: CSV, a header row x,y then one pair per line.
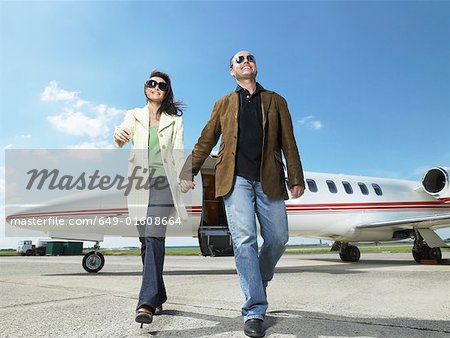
x,y
259,88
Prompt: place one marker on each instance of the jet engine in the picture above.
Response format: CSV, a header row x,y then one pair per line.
x,y
436,182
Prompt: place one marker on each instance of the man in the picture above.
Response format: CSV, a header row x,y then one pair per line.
x,y
256,126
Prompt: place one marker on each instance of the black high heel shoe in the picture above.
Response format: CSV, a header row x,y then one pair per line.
x,y
143,316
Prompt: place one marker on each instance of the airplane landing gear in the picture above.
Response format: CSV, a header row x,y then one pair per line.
x,y
421,250
349,253
93,261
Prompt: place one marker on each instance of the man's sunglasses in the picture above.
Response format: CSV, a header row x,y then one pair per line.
x,y
241,58
153,84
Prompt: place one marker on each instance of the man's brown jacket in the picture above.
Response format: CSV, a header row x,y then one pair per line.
x,y
277,135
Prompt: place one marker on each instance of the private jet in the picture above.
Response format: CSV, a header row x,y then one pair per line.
x,y
346,209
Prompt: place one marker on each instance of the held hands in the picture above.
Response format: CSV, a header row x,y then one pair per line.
x,y
122,135
297,191
186,185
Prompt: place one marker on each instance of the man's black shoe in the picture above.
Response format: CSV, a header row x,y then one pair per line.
x,y
254,328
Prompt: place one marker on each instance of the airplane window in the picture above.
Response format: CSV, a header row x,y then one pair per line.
x,y
312,186
348,188
363,188
377,189
332,187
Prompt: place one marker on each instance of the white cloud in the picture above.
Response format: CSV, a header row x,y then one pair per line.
x,y
80,103
82,118
112,112
305,119
316,125
104,110
101,109
77,123
53,93
311,122
8,146
26,136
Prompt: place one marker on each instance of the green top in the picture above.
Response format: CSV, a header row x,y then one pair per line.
x,y
154,153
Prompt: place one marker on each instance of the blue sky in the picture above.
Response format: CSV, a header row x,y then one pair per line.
x,y
367,82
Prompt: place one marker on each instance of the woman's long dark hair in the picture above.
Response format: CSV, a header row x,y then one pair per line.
x,y
167,105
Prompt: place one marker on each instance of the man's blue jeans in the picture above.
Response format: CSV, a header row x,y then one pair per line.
x,y
255,271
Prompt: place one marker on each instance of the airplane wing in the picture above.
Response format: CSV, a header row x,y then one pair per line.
x,y
423,222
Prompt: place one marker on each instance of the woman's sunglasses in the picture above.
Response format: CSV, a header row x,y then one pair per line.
x,y
241,58
153,84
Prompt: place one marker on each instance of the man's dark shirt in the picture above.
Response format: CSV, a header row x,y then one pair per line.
x,y
250,134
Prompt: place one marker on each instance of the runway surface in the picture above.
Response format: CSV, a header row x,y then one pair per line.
x,y
384,295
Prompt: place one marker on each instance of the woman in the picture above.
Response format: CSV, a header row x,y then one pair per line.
x,y
156,132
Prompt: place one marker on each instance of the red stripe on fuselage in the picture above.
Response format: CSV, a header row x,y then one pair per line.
x,y
291,208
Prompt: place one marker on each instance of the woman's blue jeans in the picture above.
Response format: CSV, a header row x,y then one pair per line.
x,y
255,269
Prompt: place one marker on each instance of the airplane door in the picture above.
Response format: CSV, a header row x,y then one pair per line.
x,y
213,234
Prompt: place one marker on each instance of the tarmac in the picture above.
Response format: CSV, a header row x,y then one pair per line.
x,y
383,295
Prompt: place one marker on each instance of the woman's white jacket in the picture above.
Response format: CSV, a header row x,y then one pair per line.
x,y
171,141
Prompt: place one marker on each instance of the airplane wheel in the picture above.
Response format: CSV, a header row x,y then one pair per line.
x,y
93,262
344,257
350,254
435,253
353,253
418,255
423,251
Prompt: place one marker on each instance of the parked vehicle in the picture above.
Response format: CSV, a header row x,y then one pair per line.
x,y
27,248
